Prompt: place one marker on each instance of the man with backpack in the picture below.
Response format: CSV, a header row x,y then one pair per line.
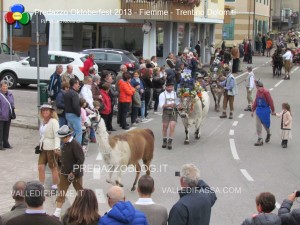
x,y
55,83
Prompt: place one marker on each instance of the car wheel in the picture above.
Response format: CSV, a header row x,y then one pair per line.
x,y
10,78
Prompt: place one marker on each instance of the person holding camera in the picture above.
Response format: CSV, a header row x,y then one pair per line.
x,y
72,158
196,199
287,216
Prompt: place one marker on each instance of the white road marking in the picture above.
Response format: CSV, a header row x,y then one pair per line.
x,y
97,173
231,132
131,128
241,115
295,69
277,205
235,123
149,120
233,149
100,196
276,85
99,156
271,89
241,75
247,175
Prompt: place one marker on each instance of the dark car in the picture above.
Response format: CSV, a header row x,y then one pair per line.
x,y
112,59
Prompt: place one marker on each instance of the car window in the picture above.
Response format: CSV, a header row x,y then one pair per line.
x,y
5,49
114,57
83,58
132,58
55,59
100,56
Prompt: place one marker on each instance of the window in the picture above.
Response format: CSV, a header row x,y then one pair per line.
x,y
114,57
55,59
5,48
99,56
65,60
228,30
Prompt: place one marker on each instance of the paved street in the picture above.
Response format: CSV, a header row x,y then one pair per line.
x,y
225,154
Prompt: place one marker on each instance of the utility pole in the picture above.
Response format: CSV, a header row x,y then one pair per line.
x,y
281,15
254,30
249,16
299,16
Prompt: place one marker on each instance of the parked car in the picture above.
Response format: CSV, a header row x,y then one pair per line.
x,y
21,72
111,59
5,53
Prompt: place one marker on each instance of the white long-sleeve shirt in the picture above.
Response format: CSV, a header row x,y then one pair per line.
x,y
250,81
168,98
288,56
86,93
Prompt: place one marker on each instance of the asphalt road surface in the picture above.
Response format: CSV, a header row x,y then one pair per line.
x,y
228,160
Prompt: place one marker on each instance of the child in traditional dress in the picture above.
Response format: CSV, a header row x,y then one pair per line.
x,y
286,123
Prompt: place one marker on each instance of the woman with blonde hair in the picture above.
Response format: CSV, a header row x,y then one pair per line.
x,y
84,210
49,144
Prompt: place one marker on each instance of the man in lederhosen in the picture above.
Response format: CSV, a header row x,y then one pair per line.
x,y
168,101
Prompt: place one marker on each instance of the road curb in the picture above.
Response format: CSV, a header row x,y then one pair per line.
x,y
26,126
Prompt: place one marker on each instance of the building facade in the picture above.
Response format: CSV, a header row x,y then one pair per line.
x,y
250,18
75,26
285,15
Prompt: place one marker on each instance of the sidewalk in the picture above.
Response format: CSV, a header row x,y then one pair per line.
x,y
26,109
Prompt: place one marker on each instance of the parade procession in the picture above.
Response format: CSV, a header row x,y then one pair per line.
x,y
137,112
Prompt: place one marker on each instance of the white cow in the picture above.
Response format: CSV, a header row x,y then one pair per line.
x,y
191,112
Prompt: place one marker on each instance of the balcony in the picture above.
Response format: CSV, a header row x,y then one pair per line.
x,y
162,10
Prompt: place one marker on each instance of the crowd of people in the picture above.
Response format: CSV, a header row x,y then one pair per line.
x,y
64,121
193,208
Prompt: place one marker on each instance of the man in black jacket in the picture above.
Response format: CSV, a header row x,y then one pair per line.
x,y
196,199
287,217
72,109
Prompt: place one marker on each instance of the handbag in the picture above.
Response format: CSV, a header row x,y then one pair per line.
x,y
12,114
38,149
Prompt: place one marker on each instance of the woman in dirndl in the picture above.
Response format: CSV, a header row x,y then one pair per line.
x,y
286,124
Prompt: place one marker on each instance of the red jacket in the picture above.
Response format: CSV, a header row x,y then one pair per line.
x,y
88,63
106,102
126,91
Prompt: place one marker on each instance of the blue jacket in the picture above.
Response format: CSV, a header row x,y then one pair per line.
x,y
54,85
230,85
4,106
123,213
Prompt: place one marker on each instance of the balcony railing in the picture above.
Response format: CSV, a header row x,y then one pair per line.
x,y
163,10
